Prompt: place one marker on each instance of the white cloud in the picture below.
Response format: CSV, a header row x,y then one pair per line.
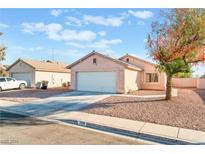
x,y
56,32
4,25
74,44
141,23
56,12
141,14
102,33
124,14
18,48
73,21
41,27
100,20
21,48
84,35
111,53
104,44
35,48
52,31
114,21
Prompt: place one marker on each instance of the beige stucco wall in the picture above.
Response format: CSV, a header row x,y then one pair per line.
x,y
55,79
103,64
188,83
132,80
201,83
184,82
148,68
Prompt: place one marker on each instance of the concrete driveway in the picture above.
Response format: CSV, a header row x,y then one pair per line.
x,y
66,102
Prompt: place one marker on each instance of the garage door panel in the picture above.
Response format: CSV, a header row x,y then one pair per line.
x,y
96,81
23,76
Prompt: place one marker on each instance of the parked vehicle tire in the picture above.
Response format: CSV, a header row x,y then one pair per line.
x,y
22,86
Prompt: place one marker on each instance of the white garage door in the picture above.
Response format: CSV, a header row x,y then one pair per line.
x,y
23,76
96,81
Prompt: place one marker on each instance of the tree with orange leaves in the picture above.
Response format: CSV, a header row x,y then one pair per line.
x,y
177,42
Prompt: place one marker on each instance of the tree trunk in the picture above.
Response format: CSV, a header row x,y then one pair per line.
x,y
168,87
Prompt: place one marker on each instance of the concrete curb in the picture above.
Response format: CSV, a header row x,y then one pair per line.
x,y
174,134
138,136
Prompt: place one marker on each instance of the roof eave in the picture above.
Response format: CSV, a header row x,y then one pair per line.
x,y
135,68
90,54
43,70
114,60
137,59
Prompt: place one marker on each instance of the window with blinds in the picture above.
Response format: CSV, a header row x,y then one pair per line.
x,y
151,77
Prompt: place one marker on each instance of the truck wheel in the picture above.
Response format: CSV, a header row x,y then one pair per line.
x,y
22,86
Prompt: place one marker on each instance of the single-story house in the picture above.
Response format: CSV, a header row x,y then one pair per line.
x,y
3,71
101,73
34,71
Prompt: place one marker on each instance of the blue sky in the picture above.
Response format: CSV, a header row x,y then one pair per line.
x,y
72,33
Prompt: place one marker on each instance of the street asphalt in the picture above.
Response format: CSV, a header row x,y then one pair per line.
x,y
20,129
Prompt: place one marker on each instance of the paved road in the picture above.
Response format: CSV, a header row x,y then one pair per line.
x,y
70,101
18,129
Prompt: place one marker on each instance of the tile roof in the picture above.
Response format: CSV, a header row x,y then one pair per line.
x,y
47,66
128,65
137,59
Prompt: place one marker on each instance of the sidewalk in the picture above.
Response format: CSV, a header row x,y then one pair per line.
x,y
168,132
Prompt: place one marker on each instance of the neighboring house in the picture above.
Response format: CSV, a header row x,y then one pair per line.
x,y
101,73
3,72
34,71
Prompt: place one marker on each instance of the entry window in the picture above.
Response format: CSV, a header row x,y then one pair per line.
x,y
94,61
151,77
2,80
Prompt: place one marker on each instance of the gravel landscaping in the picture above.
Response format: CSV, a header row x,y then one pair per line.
x,y
30,94
186,111
147,92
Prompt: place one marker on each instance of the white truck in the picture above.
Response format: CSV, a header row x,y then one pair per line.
x,y
11,83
